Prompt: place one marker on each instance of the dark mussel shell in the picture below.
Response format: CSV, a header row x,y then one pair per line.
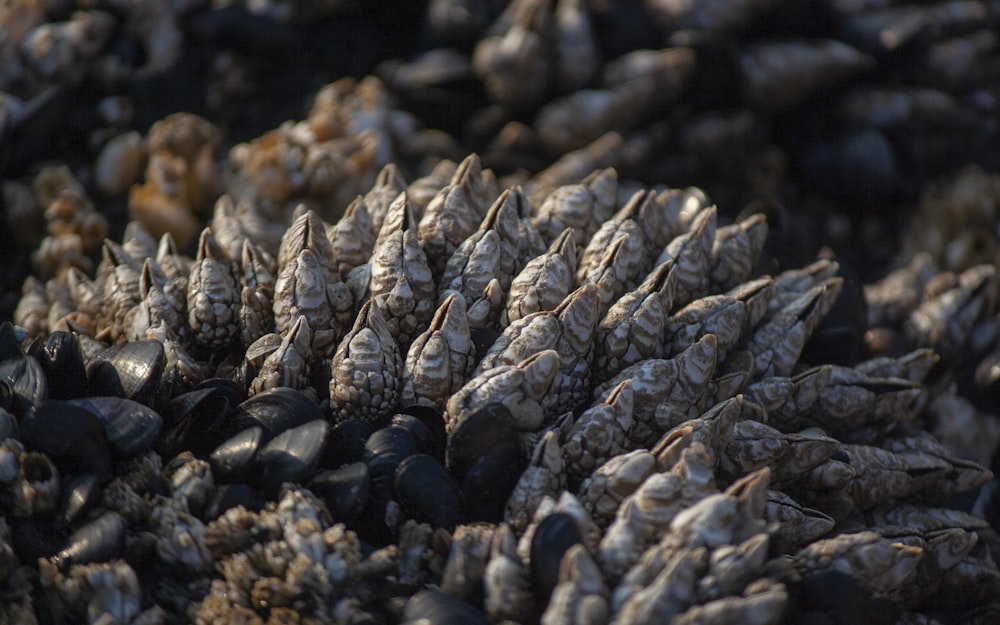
x,y
8,426
291,456
485,454
79,494
483,337
131,427
22,384
427,427
384,451
343,490
275,411
61,358
347,442
233,460
433,606
550,542
197,421
130,370
228,496
428,493
100,540
72,436
10,346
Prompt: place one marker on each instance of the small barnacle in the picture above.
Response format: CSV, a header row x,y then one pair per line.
x,y
598,434
401,280
365,369
543,476
456,211
692,256
568,329
583,206
521,388
441,359
213,296
544,282
633,328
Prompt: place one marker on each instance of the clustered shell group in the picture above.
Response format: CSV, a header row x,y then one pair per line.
x,y
339,377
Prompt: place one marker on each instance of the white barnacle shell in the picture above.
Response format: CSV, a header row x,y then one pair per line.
x,y
456,211
569,330
506,581
692,256
306,285
613,481
632,330
735,252
543,476
521,387
288,365
441,358
583,206
352,238
598,434
667,392
880,564
213,296
365,370
544,282
581,595
400,277
778,341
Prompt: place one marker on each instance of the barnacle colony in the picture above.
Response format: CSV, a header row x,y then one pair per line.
x,y
647,446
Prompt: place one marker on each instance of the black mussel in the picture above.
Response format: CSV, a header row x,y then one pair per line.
x,y
347,442
489,483
34,537
227,496
479,434
427,427
8,425
72,436
343,490
61,358
428,493
79,494
485,454
233,460
25,384
226,387
10,346
276,411
836,597
840,337
384,450
483,337
130,370
291,456
433,606
197,421
100,540
389,445
552,539
131,427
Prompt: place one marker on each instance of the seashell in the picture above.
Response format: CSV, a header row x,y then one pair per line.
x,y
344,490
73,437
131,427
437,607
291,456
428,492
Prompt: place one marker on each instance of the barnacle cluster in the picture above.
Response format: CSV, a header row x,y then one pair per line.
x,y
535,367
